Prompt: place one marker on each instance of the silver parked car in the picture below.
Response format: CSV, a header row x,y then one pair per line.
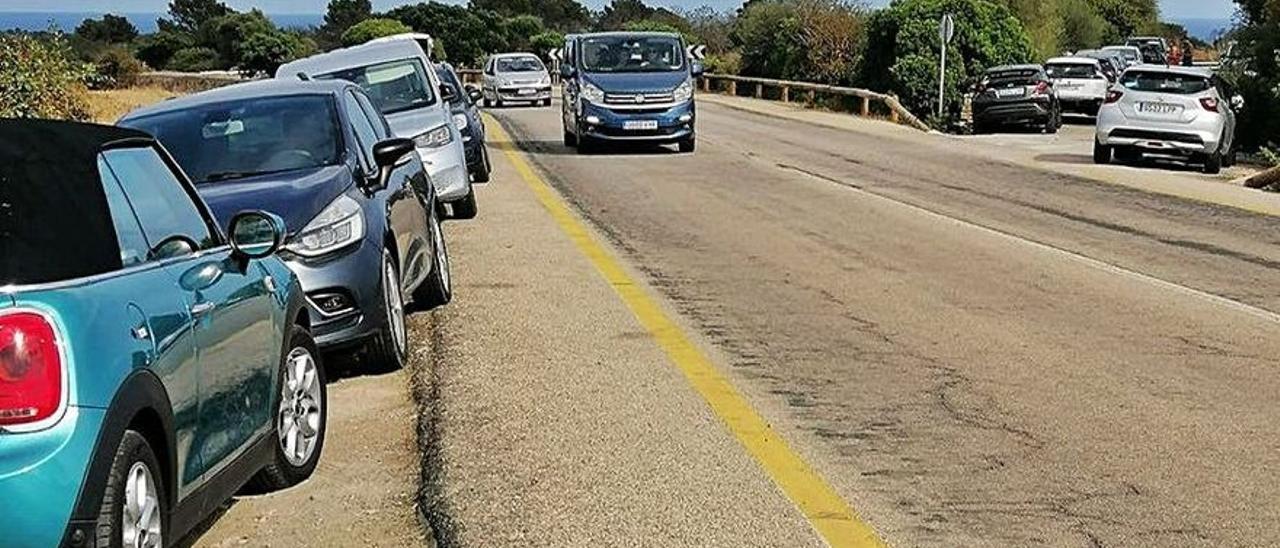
x,y
1080,82
1181,112
515,77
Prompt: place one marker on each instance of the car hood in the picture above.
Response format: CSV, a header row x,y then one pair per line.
x,y
412,123
296,196
631,82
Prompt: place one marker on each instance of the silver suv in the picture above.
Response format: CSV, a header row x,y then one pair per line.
x,y
1181,112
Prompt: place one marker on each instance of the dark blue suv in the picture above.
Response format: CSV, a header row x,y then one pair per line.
x,y
628,87
363,220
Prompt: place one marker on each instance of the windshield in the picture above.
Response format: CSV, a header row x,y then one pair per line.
x,y
632,54
1128,54
1164,82
396,86
249,137
527,63
1070,70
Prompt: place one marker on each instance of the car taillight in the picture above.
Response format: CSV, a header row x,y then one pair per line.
x,y
1114,95
30,369
1209,103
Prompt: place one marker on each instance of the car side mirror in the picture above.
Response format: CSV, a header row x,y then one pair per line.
x,y
448,92
473,93
256,234
696,69
566,71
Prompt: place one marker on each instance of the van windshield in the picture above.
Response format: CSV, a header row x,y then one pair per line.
x,y
395,86
632,54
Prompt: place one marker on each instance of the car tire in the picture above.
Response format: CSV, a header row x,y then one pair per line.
x,y
497,103
465,208
486,102
1101,153
980,128
437,290
481,174
570,140
1213,163
1051,125
301,405
133,459
388,349
688,145
586,145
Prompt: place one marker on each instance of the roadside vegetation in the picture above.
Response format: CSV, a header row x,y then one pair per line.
x,y
894,49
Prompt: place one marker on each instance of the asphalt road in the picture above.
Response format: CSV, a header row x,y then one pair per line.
x,y
970,350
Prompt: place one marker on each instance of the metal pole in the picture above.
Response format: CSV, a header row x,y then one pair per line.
x,y
942,76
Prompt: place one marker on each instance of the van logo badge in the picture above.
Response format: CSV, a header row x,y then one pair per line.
x,y
639,99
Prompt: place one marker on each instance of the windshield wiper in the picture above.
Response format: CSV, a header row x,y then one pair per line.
x,y
225,175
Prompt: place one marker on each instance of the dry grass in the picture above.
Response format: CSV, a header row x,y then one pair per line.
x,y
108,106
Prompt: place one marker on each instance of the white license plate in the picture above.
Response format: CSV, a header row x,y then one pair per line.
x,y
526,91
1010,92
635,125
1159,108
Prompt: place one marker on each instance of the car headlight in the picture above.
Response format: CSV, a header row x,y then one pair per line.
x,y
434,138
591,93
337,226
683,92
460,121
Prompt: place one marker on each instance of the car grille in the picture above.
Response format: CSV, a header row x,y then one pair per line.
x,y
1175,136
637,98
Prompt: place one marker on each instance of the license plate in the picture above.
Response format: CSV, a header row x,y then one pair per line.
x,y
634,125
1010,92
526,91
1065,85
1159,108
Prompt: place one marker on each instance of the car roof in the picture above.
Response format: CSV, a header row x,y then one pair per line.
x,y
26,140
248,90
514,54
1071,59
627,33
1117,48
1173,69
1004,68
362,55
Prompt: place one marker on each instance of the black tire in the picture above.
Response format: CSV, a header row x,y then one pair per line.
x,y
1126,154
1213,163
486,102
382,351
465,208
133,449
689,145
586,145
497,103
281,473
481,173
1101,153
437,289
1051,124
570,140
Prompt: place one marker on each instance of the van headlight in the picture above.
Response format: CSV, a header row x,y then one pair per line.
x,y
434,138
337,226
591,93
460,121
683,92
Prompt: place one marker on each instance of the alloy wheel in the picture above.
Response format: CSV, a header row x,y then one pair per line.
x,y
300,413
395,307
140,514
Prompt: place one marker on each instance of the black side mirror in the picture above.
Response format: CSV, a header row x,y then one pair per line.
x,y
388,153
566,70
695,68
448,92
473,93
256,234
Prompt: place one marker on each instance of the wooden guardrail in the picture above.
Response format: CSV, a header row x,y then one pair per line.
x,y
897,113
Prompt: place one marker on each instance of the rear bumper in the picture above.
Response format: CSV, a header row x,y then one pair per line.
x,y
675,123
1114,129
1011,113
41,476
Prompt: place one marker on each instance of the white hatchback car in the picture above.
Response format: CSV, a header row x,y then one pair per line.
x,y
1080,83
515,77
1183,112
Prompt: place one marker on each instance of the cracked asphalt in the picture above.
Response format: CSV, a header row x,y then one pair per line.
x,y
971,351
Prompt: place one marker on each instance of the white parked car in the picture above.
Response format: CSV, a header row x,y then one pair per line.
x,y
515,77
397,74
1132,55
1181,112
1080,83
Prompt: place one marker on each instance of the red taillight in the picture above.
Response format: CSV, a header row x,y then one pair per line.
x,y
1114,95
1209,103
30,369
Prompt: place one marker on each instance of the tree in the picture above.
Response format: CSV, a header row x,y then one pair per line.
x,y
370,29
561,15
41,79
1081,27
342,15
466,35
618,13
157,49
520,29
769,35
1126,18
832,32
1253,70
111,29
190,15
547,41
710,28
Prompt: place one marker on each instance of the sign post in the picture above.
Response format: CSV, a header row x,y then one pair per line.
x,y
946,29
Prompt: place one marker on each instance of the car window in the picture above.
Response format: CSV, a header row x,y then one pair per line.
x,y
379,121
622,53
165,210
366,135
524,63
133,243
394,86
1164,82
1015,77
1071,70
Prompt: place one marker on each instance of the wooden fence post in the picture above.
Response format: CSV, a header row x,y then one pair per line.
x,y
786,94
706,84
733,87
759,90
813,97
893,114
866,106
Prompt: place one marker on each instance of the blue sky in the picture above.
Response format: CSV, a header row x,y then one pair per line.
x,y
1170,8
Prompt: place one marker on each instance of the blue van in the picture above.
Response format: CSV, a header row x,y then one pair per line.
x,y
628,87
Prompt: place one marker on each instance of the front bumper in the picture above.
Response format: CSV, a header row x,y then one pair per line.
x,y
355,275
674,123
447,167
41,476
524,93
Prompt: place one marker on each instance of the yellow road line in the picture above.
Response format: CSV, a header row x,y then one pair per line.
x,y
829,514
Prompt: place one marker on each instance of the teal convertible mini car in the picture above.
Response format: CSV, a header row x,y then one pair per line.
x,y
150,364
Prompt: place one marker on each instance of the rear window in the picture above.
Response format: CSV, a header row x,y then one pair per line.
x,y
1164,82
1012,77
1071,70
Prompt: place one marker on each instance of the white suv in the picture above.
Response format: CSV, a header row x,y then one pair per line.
x,y
1183,112
1080,83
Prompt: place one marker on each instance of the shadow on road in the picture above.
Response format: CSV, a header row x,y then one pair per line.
x,y
204,526
557,148
1065,158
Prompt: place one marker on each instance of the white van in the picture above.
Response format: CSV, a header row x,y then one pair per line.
x,y
1079,82
397,74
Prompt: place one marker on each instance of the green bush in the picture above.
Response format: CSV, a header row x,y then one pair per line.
x,y
770,37
116,67
40,79
370,29
195,60
547,41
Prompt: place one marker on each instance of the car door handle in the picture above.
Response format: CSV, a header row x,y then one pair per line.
x,y
200,309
